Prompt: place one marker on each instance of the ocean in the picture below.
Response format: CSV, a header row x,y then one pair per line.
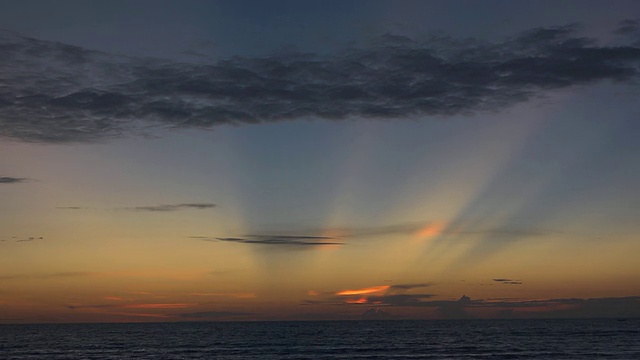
x,y
446,339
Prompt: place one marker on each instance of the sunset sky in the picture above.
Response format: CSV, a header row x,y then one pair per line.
x,y
310,160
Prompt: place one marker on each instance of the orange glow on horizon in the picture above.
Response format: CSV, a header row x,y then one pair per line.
x,y
369,290
139,315
362,300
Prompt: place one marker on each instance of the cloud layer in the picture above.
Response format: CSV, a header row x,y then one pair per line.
x,y
59,93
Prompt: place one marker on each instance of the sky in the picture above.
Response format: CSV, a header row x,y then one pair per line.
x,y
318,160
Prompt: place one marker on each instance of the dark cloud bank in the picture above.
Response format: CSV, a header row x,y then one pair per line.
x,y
399,296
53,92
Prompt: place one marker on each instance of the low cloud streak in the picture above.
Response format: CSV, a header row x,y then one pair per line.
x,y
171,207
152,208
279,240
69,274
12,180
508,281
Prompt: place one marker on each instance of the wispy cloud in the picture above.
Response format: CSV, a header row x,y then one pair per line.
x,y
152,208
157,306
629,29
12,180
282,240
44,276
21,239
508,281
59,93
171,207
133,306
31,238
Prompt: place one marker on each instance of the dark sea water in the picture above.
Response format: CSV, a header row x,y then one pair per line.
x,y
463,339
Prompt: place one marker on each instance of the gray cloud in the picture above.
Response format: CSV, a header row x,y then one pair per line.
x,y
406,287
170,207
282,240
152,208
59,93
12,180
508,281
21,239
31,238
399,299
627,27
630,30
